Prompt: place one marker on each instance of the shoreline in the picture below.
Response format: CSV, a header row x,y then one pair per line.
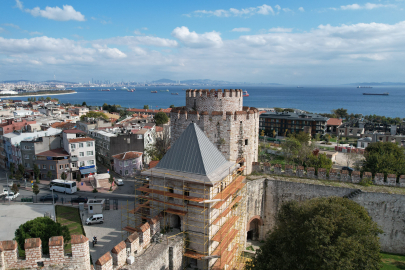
x,y
38,95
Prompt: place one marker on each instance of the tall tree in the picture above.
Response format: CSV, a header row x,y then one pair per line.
x,y
49,175
93,114
146,107
340,113
290,148
384,157
63,176
161,118
14,188
323,234
36,171
43,228
78,177
319,161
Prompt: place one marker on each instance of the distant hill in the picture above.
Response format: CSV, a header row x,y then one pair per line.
x,y
59,82
376,83
215,82
164,81
46,82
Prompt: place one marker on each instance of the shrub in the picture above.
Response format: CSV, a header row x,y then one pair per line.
x,y
95,190
366,181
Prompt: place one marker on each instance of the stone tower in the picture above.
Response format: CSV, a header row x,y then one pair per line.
x,y
229,125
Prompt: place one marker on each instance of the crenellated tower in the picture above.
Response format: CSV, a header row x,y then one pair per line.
x,y
232,127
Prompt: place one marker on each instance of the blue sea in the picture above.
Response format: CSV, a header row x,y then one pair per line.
x,y
315,99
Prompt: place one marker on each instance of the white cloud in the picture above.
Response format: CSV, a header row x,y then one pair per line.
x,y
1,29
241,29
233,12
144,28
137,32
56,13
367,6
301,9
287,10
35,33
280,30
19,4
192,39
135,41
109,52
11,25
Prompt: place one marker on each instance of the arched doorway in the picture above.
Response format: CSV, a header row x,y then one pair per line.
x,y
175,222
253,228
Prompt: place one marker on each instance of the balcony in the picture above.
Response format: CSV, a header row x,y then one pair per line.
x,y
74,159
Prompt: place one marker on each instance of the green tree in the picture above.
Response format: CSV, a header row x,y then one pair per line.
x,y
384,157
161,146
161,118
302,137
323,234
63,176
93,114
146,107
84,104
35,189
111,180
43,228
36,170
78,177
14,188
172,106
12,167
278,109
290,149
340,113
319,161
21,169
48,98
49,175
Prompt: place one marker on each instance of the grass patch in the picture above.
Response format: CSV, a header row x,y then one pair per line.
x,y
392,262
69,216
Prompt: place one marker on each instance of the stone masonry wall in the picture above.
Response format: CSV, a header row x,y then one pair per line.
x,y
80,258
230,126
385,209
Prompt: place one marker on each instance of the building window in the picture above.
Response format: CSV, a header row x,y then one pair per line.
x,y
126,163
74,165
90,153
90,162
134,161
60,167
73,146
27,165
66,165
44,167
52,167
121,164
27,156
246,142
81,163
126,172
81,145
89,144
26,147
139,136
81,154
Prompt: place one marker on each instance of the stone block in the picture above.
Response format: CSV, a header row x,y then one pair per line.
x,y
344,176
379,179
321,173
311,172
289,170
391,180
356,177
119,254
333,175
300,171
277,169
256,167
133,243
105,262
402,181
267,168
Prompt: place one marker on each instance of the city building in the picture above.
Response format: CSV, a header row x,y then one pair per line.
x,y
55,161
81,150
33,147
126,164
90,123
284,123
12,125
229,125
332,125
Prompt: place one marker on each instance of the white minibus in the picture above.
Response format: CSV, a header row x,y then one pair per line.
x,y
63,186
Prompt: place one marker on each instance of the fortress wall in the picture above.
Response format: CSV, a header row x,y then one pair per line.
x,y
266,196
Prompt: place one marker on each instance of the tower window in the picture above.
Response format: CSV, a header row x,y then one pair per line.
x,y
246,142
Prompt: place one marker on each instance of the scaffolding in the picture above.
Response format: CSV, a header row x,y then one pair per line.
x,y
210,217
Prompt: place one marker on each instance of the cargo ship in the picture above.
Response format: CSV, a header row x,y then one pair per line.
x,y
153,91
376,94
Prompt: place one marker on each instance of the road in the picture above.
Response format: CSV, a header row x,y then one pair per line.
x,y
122,193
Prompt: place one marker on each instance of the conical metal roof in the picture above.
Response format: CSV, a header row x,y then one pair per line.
x,y
193,153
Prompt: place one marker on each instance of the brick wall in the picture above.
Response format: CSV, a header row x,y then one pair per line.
x,y
119,254
80,258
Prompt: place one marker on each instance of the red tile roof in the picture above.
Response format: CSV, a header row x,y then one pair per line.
x,y
153,163
334,122
73,131
159,129
150,111
86,139
128,155
60,152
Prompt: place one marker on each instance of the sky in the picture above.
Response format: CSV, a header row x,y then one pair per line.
x,y
288,42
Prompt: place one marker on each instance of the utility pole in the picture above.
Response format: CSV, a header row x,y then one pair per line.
x,y
53,205
8,190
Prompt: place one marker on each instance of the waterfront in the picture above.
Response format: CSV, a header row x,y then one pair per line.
x,y
314,99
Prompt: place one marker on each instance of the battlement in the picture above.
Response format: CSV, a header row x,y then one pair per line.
x,y
79,259
181,114
214,100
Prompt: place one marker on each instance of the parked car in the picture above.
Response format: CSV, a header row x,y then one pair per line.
x,y
119,182
348,169
48,198
79,200
99,218
11,195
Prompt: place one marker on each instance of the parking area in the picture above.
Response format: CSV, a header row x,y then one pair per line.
x,y
108,234
15,214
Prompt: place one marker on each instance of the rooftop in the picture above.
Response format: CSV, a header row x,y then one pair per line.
x,y
86,139
295,116
334,122
73,131
59,152
128,155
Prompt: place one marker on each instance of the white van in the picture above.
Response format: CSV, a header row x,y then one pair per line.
x,y
95,219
